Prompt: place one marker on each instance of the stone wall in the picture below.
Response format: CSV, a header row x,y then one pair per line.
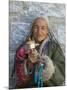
x,y
21,15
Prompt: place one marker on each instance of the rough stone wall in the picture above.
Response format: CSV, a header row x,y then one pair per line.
x,y
21,15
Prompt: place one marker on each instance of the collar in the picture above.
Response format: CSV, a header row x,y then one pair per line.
x,y
42,45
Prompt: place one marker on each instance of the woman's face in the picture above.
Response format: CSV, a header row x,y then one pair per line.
x,y
40,29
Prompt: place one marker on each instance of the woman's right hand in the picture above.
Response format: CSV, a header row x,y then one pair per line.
x,y
32,55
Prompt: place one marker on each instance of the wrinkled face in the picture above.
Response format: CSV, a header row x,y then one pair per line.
x,y
40,29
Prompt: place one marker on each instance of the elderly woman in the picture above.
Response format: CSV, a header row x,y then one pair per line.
x,y
46,52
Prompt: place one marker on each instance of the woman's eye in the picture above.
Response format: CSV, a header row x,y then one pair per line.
x,y
43,28
35,27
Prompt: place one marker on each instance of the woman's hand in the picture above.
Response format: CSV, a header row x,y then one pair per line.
x,y
32,55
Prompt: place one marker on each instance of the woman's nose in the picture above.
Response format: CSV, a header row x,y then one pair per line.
x,y
39,30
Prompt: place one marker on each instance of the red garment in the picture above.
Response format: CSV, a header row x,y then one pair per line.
x,y
22,78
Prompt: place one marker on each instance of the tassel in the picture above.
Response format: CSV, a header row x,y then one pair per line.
x,y
38,76
40,81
